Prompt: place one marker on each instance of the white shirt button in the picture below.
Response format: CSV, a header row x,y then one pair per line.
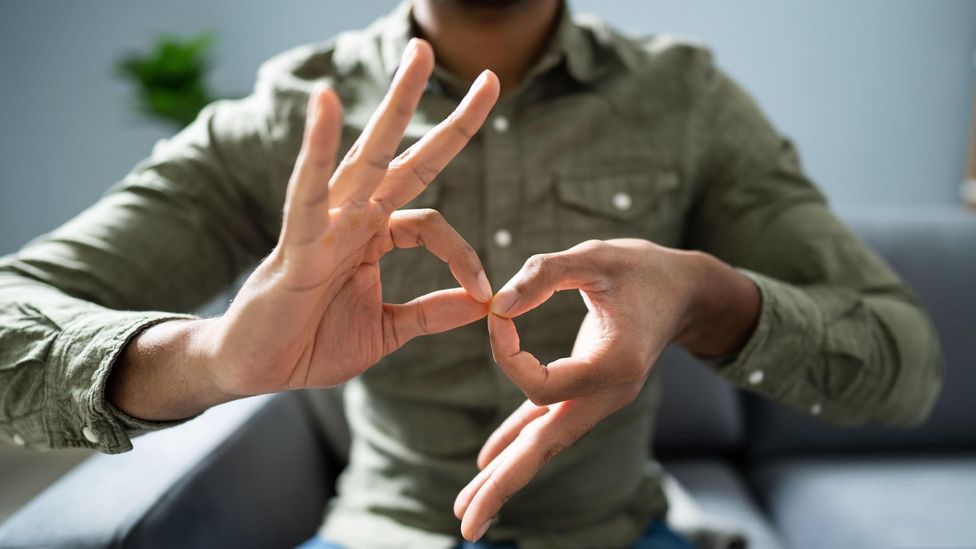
x,y
503,238
500,123
19,440
756,377
622,201
90,436
816,409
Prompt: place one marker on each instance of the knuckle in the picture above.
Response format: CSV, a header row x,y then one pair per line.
x,y
590,245
470,255
359,155
633,370
424,173
318,161
594,251
532,438
537,264
386,206
456,124
546,269
632,394
378,160
540,397
313,162
500,491
421,318
396,167
402,109
404,168
552,451
429,217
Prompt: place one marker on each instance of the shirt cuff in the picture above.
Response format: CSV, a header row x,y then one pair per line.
x,y
78,415
782,353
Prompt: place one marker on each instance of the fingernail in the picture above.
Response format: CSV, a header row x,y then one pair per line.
x,y
321,91
481,79
484,288
321,88
482,530
409,51
408,54
503,301
313,102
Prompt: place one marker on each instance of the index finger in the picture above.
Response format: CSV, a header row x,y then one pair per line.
x,y
366,162
428,228
537,444
412,171
564,379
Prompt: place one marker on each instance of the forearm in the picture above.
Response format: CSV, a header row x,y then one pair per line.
x,y
722,307
56,354
164,373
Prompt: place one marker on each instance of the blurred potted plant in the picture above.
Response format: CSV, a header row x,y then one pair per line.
x,y
170,80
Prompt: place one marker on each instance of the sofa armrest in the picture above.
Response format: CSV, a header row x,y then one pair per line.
x,y
252,473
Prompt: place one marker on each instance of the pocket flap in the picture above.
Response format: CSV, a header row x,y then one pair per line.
x,y
619,196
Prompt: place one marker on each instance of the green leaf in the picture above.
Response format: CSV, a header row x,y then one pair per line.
x,y
170,80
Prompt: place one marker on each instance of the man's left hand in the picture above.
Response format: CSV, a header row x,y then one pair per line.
x,y
640,297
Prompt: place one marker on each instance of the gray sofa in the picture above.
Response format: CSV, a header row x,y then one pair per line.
x,y
257,473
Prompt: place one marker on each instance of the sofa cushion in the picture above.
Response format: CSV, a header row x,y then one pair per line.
x,y
250,473
872,502
722,496
934,250
329,415
700,413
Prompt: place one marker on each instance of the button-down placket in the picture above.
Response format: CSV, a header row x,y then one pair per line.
x,y
502,196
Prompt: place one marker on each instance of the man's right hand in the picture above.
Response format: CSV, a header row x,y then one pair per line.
x,y
311,315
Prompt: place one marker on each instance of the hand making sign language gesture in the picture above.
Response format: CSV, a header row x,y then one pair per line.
x,y
316,315
312,315
640,297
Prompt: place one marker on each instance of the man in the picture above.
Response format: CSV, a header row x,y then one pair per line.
x,y
604,158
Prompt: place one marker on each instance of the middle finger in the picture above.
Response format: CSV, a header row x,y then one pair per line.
x,y
365,165
412,171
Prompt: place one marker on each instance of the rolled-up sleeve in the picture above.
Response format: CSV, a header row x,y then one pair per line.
x,y
173,234
53,384
839,335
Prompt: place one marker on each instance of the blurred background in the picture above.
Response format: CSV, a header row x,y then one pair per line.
x,y
877,94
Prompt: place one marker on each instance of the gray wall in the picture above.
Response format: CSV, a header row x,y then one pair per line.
x,y
876,92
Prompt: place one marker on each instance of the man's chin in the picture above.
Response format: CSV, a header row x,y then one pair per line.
x,y
489,4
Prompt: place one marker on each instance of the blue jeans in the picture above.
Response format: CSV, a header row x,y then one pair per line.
x,y
657,536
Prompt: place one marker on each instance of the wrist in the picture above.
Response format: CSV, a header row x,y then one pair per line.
x,y
164,373
722,310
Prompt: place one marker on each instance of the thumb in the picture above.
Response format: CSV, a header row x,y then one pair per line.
x,y
540,277
431,313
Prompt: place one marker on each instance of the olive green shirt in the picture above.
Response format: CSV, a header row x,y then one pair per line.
x,y
609,136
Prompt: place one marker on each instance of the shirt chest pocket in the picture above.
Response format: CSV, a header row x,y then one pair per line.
x,y
633,204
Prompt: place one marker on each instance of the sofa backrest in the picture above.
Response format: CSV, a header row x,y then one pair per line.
x,y
933,249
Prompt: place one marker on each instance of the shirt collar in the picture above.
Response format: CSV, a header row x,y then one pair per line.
x,y
570,43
